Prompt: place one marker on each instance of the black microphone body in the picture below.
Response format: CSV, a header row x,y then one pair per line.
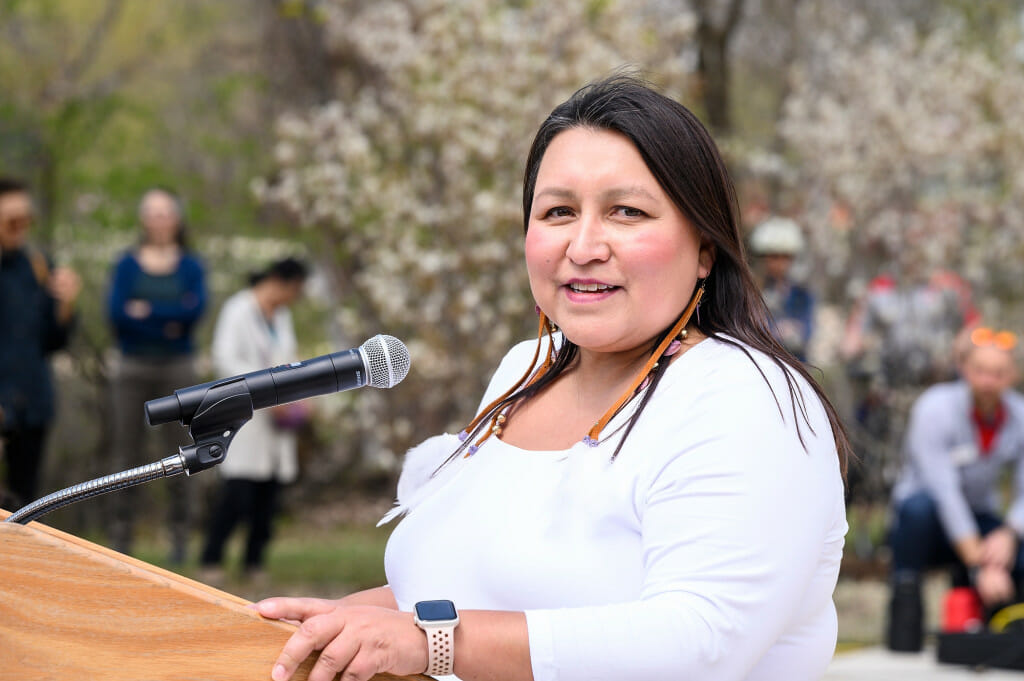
x,y
381,362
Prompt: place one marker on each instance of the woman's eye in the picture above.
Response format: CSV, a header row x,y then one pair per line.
x,y
627,211
558,212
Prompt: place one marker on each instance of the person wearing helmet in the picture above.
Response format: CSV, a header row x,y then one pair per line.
x,y
776,242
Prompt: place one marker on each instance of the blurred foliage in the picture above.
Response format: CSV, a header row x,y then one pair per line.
x,y
104,99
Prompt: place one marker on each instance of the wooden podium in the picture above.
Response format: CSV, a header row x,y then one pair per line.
x,y
70,609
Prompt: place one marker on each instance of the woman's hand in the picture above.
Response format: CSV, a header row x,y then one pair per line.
x,y
355,641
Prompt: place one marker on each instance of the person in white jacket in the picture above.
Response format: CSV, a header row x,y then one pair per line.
x,y
254,331
654,493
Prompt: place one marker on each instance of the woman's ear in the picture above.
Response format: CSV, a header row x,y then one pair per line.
x,y
705,258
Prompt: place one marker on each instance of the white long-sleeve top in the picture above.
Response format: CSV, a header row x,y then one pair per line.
x,y
708,549
245,340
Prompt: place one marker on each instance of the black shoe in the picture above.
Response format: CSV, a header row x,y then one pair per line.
x,y
905,632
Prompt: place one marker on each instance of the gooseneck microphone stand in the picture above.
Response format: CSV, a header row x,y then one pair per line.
x,y
225,408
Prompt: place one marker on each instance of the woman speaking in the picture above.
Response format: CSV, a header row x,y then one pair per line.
x,y
652,490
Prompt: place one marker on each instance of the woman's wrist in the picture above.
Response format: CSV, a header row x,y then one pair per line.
x,y
380,597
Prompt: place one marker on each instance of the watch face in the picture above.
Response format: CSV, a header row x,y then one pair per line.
x,y
436,611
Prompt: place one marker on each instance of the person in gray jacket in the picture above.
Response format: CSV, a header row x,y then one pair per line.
x,y
961,438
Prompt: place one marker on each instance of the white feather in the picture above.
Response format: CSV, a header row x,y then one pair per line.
x,y
418,479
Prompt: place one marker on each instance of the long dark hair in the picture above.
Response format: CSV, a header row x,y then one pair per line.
x,y
684,159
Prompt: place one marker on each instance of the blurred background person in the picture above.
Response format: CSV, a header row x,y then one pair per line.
x,y
254,331
904,326
962,436
37,312
157,296
776,242
899,340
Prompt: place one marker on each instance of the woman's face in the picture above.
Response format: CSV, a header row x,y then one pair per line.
x,y
289,291
159,216
611,259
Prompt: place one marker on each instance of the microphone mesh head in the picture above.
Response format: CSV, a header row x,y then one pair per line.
x,y
387,360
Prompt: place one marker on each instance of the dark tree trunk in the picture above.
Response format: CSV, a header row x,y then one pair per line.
x,y
713,38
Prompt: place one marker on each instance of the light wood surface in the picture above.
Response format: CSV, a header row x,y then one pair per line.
x,y
74,610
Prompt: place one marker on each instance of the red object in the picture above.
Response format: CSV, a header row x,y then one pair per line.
x,y
961,611
987,429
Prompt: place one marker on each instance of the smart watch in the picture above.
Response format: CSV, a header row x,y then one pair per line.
x,y
438,620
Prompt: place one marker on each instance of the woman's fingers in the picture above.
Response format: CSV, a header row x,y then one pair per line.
x,y
294,609
335,658
356,642
314,634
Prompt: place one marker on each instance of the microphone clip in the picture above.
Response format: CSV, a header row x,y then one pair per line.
x,y
225,408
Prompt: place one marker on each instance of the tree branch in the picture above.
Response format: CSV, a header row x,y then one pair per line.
x,y
85,57
732,16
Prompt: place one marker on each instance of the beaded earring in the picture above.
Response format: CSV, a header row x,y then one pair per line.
x,y
703,283
672,349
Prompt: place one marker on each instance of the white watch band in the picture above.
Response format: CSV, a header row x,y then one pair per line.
x,y
440,650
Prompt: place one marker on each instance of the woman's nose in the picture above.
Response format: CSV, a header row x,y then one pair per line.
x,y
589,243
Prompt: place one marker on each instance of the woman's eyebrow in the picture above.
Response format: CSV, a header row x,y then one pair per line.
x,y
612,194
634,191
557,193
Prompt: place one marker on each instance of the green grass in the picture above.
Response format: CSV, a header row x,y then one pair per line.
x,y
327,562
352,556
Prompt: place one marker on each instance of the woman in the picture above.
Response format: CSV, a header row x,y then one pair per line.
x,y
254,331
157,296
661,497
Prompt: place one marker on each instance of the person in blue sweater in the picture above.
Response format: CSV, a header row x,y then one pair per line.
x,y
157,297
37,313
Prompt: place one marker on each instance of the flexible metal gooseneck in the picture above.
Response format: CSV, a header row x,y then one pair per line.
x,y
165,468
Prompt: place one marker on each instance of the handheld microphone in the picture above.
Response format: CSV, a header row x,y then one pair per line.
x,y
381,362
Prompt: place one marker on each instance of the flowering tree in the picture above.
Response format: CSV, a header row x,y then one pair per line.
x,y
908,144
905,143
411,181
